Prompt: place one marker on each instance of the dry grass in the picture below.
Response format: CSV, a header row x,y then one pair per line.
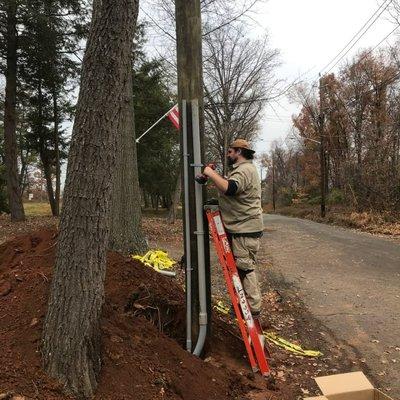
x,y
35,209
385,223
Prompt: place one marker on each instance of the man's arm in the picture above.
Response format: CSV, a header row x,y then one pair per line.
x,y
220,182
225,186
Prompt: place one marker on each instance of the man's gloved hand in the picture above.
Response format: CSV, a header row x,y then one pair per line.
x,y
203,178
211,202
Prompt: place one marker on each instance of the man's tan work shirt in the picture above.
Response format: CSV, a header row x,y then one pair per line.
x,y
242,213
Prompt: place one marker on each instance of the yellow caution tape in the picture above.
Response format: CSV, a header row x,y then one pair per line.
x,y
294,348
156,259
221,307
274,338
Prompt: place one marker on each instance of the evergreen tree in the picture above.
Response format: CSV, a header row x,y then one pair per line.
x,y
9,51
158,151
39,46
49,40
3,180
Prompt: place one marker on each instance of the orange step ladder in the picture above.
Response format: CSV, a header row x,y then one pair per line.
x,y
250,329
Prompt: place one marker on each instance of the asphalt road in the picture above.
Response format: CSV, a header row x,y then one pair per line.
x,y
350,281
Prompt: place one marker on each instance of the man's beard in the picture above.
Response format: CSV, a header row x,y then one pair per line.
x,y
230,160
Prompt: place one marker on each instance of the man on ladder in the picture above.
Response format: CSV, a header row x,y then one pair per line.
x,y
240,206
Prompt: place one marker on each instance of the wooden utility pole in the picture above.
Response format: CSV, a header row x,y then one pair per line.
x,y
190,87
322,147
273,183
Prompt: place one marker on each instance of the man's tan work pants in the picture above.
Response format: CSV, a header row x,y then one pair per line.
x,y
245,251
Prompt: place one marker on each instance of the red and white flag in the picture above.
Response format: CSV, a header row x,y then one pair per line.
x,y
173,115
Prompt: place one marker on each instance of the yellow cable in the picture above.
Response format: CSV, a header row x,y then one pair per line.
x,y
274,338
156,259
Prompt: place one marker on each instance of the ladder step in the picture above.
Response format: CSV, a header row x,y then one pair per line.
x,y
250,328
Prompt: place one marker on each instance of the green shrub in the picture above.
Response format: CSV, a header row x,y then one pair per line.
x,y
336,196
286,196
314,200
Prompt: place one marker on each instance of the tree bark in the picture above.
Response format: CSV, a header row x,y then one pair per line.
x,y
190,86
273,184
49,182
322,148
176,199
224,159
10,138
125,231
23,173
57,154
71,337
145,199
43,153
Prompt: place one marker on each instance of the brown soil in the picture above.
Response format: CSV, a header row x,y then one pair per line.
x,y
142,325
9,229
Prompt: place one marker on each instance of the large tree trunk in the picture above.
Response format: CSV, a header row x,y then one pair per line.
x,y
125,231
23,173
57,154
145,197
10,139
43,153
49,182
175,200
71,337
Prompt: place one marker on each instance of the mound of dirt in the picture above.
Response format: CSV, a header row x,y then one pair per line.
x,y
143,330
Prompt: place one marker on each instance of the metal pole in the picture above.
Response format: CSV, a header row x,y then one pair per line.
x,y
203,320
273,182
322,149
188,258
190,86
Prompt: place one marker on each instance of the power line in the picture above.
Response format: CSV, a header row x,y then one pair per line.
x,y
247,101
284,119
379,10
377,45
374,18
393,78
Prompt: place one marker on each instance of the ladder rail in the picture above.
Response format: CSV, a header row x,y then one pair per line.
x,y
233,295
247,326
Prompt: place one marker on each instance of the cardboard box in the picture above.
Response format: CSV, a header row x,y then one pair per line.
x,y
351,386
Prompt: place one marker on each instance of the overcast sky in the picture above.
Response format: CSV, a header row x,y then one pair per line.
x,y
309,33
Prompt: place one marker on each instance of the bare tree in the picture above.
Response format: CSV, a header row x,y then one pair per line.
x,y
223,23
216,14
361,132
71,337
238,80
